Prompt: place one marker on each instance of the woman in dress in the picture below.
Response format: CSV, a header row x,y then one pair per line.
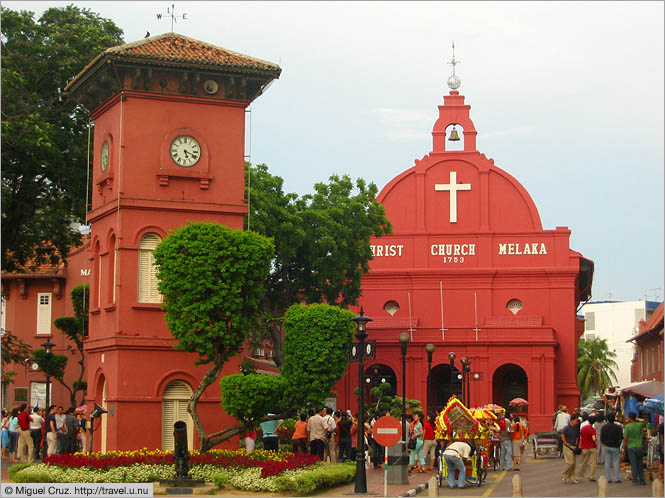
x,y
417,432
519,440
13,435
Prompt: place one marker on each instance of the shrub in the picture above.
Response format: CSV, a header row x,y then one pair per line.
x,y
321,475
16,468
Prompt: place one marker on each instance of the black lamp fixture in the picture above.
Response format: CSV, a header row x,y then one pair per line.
x,y
451,359
360,483
430,351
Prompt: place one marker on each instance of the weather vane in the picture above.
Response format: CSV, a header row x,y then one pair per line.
x,y
171,13
454,82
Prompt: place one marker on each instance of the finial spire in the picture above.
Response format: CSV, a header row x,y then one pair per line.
x,y
454,82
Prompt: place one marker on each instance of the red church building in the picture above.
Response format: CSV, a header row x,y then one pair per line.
x,y
470,270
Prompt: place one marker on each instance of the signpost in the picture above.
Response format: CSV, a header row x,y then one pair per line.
x,y
387,432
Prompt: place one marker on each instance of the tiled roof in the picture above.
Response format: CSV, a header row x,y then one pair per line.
x,y
175,48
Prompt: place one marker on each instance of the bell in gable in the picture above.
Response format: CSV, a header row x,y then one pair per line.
x,y
454,137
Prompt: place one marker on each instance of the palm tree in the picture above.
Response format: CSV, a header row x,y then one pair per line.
x,y
595,367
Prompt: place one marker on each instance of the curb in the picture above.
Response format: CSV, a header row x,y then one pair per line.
x,y
416,490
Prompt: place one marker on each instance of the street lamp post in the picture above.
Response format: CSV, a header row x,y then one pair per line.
x,y
466,380
404,341
430,351
451,359
360,485
48,354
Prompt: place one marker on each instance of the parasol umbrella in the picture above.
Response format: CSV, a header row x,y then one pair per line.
x,y
518,402
653,405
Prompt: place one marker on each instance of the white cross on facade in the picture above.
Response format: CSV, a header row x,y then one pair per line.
x,y
453,187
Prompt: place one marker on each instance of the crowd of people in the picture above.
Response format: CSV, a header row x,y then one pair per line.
x,y
30,434
600,439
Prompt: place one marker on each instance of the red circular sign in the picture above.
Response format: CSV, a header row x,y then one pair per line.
x,y
387,431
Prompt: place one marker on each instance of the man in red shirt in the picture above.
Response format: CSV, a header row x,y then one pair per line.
x,y
24,436
589,450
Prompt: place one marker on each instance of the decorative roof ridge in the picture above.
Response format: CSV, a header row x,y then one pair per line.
x,y
119,49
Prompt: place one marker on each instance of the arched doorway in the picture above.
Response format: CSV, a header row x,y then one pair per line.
x,y
376,375
509,382
174,407
443,385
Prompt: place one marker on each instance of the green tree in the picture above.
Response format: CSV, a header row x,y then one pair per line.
x,y
212,278
384,401
14,350
45,138
321,240
317,340
76,329
595,367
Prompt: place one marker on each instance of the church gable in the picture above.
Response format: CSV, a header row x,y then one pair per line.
x,y
464,193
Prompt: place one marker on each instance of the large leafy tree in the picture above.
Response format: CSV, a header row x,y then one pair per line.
x,y
76,329
321,240
595,367
44,137
212,278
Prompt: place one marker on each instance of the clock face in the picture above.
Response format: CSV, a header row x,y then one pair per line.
x,y
185,151
34,366
104,156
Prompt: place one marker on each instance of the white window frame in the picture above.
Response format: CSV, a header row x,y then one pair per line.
x,y
44,313
147,291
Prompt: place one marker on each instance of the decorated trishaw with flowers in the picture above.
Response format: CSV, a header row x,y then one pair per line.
x,y
458,423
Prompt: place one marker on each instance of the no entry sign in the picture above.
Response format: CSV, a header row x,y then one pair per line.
x,y
387,431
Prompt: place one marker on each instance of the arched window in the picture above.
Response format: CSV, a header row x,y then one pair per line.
x,y
97,282
113,259
147,288
174,408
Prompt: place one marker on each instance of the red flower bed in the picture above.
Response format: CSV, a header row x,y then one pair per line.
x,y
268,468
295,461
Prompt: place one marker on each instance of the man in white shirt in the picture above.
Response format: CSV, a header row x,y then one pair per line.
x,y
454,456
36,429
316,429
560,421
331,446
60,428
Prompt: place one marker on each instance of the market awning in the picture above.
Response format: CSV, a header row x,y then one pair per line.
x,y
646,389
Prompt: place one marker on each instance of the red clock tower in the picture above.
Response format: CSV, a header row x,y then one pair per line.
x,y
169,115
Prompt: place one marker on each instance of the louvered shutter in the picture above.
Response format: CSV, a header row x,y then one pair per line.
x,y
174,408
44,313
147,285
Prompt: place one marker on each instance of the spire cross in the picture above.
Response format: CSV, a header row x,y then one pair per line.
x,y
454,61
171,13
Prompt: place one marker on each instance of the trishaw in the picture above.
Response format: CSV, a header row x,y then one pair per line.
x,y
457,423
545,443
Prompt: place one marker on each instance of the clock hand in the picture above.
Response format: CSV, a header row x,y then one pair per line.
x,y
185,152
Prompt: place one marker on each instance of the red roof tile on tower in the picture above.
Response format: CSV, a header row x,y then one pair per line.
x,y
174,49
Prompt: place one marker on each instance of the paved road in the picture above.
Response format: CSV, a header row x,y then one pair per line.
x,y
542,477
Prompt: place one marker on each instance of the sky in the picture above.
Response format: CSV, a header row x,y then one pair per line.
x,y
567,97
